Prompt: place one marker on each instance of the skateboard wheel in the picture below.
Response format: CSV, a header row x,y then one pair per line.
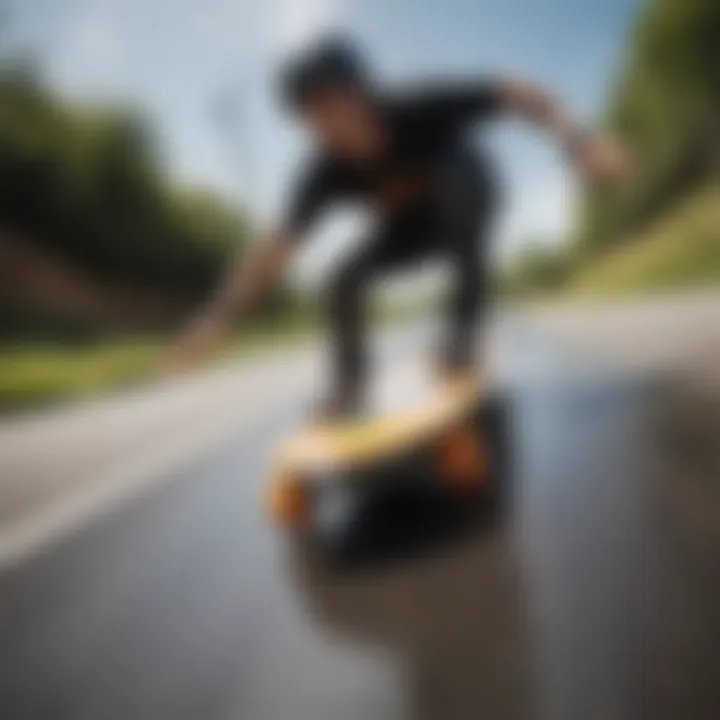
x,y
289,502
463,460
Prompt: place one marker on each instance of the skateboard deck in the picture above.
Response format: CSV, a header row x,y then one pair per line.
x,y
421,431
410,405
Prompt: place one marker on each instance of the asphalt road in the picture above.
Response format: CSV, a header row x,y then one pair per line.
x,y
596,595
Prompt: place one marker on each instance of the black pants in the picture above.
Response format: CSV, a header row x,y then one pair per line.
x,y
454,227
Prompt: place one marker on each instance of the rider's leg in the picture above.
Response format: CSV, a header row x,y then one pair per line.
x,y
467,211
395,243
346,309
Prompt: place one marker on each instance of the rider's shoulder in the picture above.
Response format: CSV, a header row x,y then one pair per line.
x,y
414,98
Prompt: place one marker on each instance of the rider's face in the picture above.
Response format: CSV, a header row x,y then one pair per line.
x,y
344,121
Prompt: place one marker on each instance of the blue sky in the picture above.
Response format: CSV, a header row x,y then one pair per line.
x,y
173,56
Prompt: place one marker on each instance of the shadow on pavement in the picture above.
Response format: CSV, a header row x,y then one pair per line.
x,y
409,523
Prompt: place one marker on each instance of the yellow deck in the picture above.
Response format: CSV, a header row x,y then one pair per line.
x,y
352,443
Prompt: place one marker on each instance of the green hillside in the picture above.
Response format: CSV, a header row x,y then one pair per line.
x,y
667,109
88,183
680,249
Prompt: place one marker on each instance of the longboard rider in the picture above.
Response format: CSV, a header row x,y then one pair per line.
x,y
410,158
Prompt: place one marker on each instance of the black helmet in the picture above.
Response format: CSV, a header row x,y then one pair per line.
x,y
332,61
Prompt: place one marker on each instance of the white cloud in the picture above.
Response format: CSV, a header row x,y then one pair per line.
x,y
260,30
294,22
90,51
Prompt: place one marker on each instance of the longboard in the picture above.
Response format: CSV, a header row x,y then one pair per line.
x,y
351,443
442,424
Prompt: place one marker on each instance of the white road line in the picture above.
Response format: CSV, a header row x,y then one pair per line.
x,y
60,517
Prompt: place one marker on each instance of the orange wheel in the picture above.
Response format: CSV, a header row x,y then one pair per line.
x,y
289,502
463,460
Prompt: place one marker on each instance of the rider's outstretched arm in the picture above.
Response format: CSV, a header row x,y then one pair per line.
x,y
597,156
244,286
249,281
535,104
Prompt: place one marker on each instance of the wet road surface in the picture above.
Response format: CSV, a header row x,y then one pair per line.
x,y
596,595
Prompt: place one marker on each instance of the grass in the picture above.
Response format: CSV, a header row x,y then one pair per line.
x,y
41,374
679,250
38,374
